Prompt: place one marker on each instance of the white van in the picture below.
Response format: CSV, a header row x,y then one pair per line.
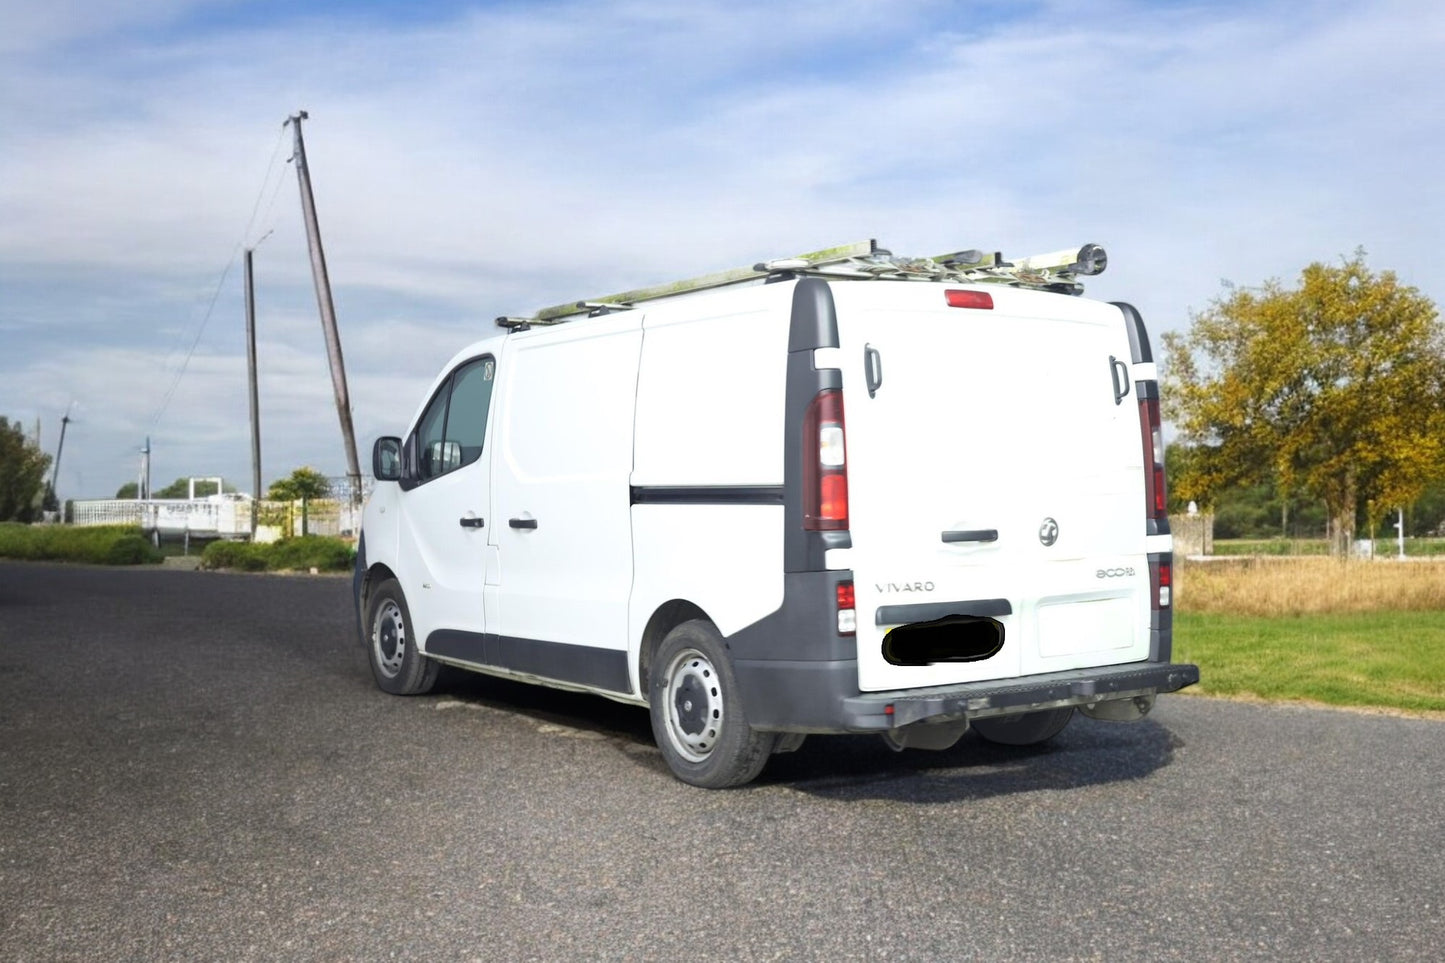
x,y
841,493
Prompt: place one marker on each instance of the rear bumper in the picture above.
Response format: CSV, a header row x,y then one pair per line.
x,y
824,696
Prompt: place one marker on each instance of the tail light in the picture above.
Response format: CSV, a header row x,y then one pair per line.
x,y
1155,499
847,609
825,464
1162,577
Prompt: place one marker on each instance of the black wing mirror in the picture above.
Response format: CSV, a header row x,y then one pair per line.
x,y
386,459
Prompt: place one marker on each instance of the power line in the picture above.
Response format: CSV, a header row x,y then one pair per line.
x,y
225,273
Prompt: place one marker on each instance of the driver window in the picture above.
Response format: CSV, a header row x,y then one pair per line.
x,y
453,427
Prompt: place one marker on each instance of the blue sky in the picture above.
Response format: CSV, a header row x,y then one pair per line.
x,y
478,159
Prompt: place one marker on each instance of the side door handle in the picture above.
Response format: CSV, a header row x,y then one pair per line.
x,y
872,369
472,522
522,522
972,535
1119,371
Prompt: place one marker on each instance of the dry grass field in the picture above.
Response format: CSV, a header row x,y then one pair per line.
x,y
1308,586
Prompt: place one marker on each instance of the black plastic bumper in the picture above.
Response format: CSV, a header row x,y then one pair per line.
x,y
888,710
824,696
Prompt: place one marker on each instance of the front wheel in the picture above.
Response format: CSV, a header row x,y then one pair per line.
x,y
395,662
1024,729
697,716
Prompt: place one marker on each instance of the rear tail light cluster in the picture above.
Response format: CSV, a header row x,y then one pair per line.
x,y
1162,577
825,464
847,609
1155,499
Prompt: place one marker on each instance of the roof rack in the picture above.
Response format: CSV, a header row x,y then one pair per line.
x,y
1056,271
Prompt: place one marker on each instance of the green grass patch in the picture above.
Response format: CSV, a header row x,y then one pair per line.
x,y
290,554
1393,660
1385,546
97,545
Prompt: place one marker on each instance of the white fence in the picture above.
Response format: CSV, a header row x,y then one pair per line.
x,y
222,516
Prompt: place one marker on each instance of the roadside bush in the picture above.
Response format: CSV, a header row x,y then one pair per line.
x,y
312,551
241,556
290,554
98,545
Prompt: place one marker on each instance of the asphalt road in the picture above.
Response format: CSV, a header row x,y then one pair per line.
x,y
198,767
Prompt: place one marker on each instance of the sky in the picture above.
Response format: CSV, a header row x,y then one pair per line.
x,y
477,159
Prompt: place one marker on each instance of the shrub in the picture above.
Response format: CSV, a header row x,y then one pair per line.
x,y
312,551
242,556
98,545
291,554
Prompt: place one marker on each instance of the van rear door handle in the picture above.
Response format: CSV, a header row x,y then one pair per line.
x,y
522,522
472,522
972,535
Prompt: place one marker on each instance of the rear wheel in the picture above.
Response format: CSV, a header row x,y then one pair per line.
x,y
1025,729
697,716
395,662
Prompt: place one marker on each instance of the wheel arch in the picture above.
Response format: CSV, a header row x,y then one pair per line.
x,y
668,616
375,574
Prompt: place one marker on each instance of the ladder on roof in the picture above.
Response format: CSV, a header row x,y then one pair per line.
x,y
1056,271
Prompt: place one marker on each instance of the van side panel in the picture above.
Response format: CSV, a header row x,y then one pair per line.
x,y
560,507
707,480
710,391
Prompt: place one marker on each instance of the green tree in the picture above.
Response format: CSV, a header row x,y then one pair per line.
x,y
22,474
180,488
1335,389
301,485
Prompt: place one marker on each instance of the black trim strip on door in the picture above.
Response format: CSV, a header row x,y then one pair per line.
x,y
928,611
577,664
707,495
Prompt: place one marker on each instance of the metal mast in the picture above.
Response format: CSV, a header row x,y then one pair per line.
x,y
255,399
323,302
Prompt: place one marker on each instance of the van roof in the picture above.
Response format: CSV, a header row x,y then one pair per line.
x,y
1056,271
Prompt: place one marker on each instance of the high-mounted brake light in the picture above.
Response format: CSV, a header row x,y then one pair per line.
x,y
847,609
1155,499
825,464
968,299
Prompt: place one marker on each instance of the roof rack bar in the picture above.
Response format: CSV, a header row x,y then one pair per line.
x,y
735,276
1056,271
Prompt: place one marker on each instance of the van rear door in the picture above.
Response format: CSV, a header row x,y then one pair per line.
x,y
994,473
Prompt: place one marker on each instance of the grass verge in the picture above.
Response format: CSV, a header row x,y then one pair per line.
x,y
1304,586
288,555
1394,660
97,545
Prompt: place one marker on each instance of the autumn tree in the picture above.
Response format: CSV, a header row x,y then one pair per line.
x,y
301,485
22,474
1335,388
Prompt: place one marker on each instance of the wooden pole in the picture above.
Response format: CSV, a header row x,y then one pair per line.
x,y
255,397
328,310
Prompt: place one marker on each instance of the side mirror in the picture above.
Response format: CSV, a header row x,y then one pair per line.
x,y
444,456
386,459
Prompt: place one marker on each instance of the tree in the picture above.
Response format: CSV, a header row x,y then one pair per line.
x,y
22,474
1335,388
301,485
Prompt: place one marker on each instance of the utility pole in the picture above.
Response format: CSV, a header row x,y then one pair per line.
x,y
143,482
255,399
323,302
55,475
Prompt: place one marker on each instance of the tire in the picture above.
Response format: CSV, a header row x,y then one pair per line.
x,y
395,662
1025,729
697,715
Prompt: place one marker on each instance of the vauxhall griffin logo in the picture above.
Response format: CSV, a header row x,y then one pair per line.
x,y
1048,532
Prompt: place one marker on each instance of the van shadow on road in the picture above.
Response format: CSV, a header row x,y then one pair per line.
x,y
843,768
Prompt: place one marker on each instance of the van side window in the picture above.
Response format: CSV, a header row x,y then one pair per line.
x,y
453,427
